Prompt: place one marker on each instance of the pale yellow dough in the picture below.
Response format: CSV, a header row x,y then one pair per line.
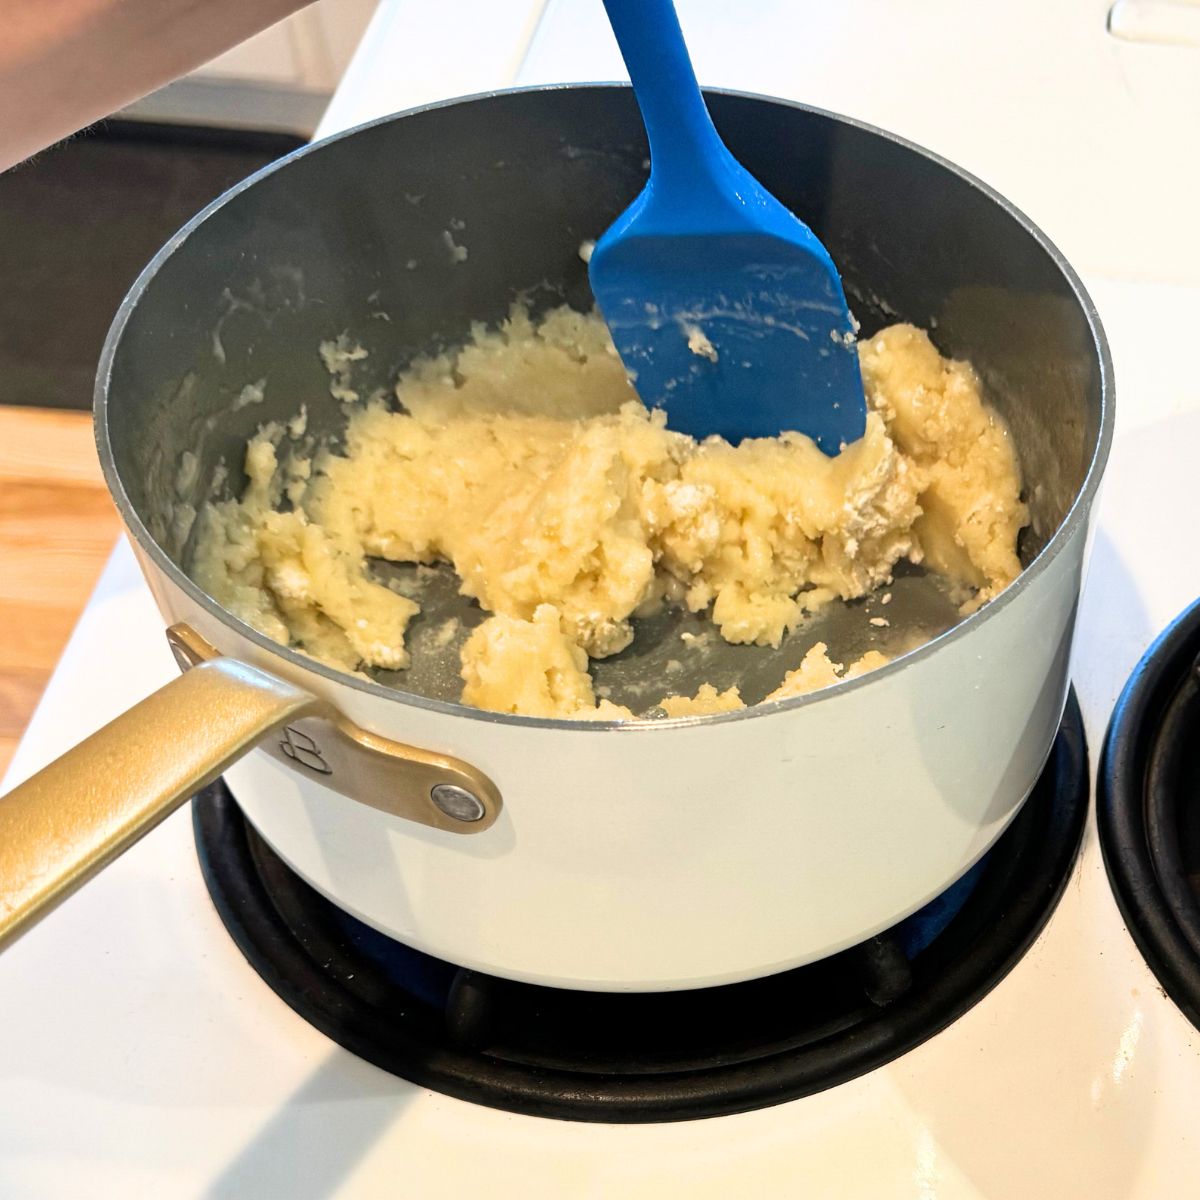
x,y
566,508
815,671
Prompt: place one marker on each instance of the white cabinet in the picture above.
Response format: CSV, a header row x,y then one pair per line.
x,y
281,78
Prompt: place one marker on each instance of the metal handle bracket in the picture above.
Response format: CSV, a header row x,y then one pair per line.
x,y
323,746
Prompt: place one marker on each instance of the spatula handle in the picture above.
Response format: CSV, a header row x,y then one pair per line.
x,y
685,149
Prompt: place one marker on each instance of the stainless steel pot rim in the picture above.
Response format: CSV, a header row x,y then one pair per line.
x,y
1075,518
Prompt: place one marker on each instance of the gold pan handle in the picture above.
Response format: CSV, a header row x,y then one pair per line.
x,y
75,816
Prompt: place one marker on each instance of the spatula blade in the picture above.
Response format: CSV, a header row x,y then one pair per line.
x,y
738,334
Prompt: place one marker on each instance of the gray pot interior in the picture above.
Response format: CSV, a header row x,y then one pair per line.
x,y
353,236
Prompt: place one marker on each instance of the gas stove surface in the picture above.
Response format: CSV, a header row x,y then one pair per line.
x,y
144,1056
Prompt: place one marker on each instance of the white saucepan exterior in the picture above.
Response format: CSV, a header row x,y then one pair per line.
x,y
653,855
703,852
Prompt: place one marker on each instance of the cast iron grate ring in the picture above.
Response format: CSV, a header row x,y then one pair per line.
x,y
657,1057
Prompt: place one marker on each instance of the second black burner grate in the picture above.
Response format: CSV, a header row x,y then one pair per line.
x,y
1147,812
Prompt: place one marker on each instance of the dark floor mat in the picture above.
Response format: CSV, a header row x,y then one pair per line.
x,y
80,221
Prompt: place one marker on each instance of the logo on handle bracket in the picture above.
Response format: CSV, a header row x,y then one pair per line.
x,y
300,748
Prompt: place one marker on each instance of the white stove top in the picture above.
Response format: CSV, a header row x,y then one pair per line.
x,y
142,1056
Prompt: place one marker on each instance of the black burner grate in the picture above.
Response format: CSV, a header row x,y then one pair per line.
x,y
647,1057
1148,809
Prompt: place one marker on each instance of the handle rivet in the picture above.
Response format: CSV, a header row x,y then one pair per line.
x,y
456,802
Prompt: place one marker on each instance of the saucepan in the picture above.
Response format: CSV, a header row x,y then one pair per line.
x,y
657,854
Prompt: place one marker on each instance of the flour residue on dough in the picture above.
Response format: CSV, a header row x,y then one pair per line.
x,y
567,508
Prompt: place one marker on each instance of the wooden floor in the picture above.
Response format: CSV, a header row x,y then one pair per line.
x,y
57,528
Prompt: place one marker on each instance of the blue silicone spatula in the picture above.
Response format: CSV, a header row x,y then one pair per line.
x,y
726,310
